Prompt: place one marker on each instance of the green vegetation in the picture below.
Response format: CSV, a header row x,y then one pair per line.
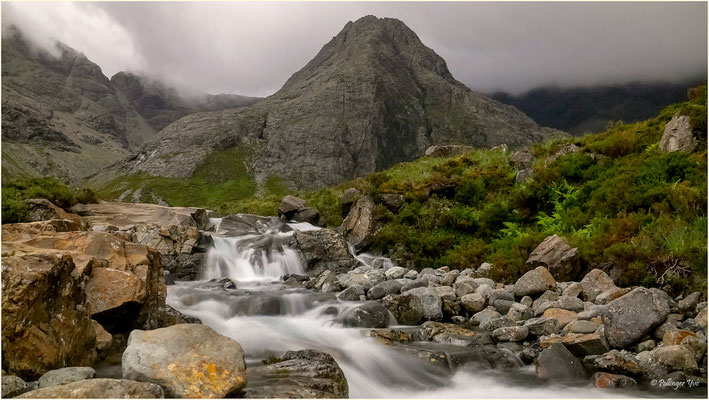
x,y
629,208
14,194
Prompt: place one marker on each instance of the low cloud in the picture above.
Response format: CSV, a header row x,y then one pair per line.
x,y
252,48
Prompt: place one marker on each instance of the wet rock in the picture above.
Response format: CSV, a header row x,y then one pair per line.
x,y
45,321
557,257
183,267
415,306
558,364
296,375
368,315
99,388
529,354
678,135
177,359
510,334
444,333
389,336
628,318
473,302
325,280
360,226
594,283
65,375
618,362
384,288
605,380
12,386
352,293
534,282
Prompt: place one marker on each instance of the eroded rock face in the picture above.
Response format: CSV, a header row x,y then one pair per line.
x,y
45,319
98,389
678,135
186,360
296,375
43,209
629,317
125,288
559,258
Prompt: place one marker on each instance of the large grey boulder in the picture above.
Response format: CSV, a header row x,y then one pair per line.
x,y
186,360
65,375
384,288
473,302
595,283
308,374
556,363
536,281
629,317
371,314
415,306
560,259
289,206
678,135
323,249
98,389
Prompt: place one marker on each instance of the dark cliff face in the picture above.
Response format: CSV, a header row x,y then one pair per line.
x,y
373,96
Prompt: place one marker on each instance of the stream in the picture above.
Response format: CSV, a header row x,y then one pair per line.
x,y
268,318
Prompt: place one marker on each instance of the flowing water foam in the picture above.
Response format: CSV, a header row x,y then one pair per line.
x,y
268,318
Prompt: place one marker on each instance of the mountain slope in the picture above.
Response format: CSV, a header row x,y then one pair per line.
x,y
589,109
62,117
373,96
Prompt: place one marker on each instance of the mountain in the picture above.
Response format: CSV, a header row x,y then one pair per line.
x,y
580,110
373,96
62,117
160,104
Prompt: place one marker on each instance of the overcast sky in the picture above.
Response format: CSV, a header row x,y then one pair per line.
x,y
252,48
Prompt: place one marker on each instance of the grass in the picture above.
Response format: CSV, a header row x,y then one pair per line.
x,y
14,194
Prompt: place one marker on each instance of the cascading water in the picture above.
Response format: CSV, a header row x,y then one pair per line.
x,y
268,318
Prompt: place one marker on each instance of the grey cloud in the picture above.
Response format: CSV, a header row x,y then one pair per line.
x,y
252,48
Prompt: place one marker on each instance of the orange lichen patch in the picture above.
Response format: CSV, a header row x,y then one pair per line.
x,y
604,381
675,337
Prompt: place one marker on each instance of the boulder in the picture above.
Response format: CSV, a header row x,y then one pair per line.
x,y
12,386
186,360
558,364
521,159
675,336
701,318
542,326
352,293
289,206
413,284
444,333
519,312
126,286
371,314
395,272
688,305
605,380
678,135
382,289
98,389
563,317
124,216
415,306
45,319
323,249
359,226
310,215
534,282
485,316
581,326
183,267
445,292
630,317
496,323
66,375
296,375
473,302
671,358
510,334
578,344
618,362
557,257
594,283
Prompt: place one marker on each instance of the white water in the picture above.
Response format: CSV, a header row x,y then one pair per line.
x,y
267,318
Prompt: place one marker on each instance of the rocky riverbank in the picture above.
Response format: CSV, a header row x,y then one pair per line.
x,y
86,289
